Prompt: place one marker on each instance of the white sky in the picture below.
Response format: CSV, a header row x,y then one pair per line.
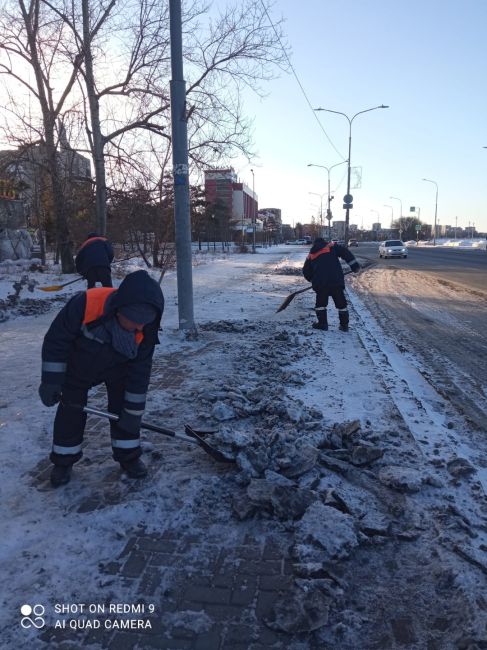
x,y
426,60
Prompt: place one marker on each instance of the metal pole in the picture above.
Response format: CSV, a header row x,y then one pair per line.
x,y
400,217
253,211
328,212
182,219
436,207
392,214
347,212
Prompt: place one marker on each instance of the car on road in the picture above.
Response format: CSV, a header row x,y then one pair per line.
x,y
393,248
352,242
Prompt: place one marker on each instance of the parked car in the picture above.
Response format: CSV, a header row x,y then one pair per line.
x,y
393,248
411,242
302,241
352,242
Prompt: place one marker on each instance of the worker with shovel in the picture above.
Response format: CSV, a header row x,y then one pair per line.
x,y
323,269
102,335
93,260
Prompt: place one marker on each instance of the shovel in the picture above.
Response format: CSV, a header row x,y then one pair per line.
x,y
57,287
193,436
291,296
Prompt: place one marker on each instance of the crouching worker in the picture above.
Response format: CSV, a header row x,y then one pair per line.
x,y
323,269
102,335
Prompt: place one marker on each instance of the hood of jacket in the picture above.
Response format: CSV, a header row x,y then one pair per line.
x,y
318,245
138,287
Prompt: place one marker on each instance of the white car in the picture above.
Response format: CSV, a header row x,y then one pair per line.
x,y
393,248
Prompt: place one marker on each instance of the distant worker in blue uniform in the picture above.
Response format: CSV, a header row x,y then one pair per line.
x,y
93,260
323,269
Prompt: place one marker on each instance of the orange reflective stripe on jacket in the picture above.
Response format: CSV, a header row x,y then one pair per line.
x,y
95,304
92,239
326,249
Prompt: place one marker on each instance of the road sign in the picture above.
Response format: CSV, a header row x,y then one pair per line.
x,y
347,206
418,227
348,198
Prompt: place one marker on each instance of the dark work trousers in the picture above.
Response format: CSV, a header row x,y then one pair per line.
x,y
69,423
338,295
101,274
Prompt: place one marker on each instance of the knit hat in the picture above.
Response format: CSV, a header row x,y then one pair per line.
x,y
141,313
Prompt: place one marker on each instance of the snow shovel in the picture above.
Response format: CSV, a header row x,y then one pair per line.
x,y
57,287
291,296
193,436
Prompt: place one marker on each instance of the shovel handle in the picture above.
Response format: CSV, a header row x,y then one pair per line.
x,y
193,438
144,425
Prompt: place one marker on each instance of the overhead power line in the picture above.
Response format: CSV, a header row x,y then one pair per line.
x,y
299,82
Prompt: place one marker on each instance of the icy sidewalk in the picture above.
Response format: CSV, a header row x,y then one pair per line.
x,y
318,535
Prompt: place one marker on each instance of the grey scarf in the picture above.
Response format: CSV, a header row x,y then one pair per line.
x,y
121,340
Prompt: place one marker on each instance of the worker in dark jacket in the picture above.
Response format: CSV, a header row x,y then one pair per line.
x,y
93,260
101,335
323,269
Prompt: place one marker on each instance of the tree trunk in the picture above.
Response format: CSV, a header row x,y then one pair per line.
x,y
97,141
64,245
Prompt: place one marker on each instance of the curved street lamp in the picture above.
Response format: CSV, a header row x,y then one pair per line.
x,y
350,120
328,211
436,207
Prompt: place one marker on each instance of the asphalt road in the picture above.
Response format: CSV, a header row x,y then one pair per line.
x,y
462,266
433,304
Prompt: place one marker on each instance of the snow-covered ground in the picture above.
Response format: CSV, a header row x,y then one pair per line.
x,y
387,517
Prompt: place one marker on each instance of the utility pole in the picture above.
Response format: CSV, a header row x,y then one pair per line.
x,y
253,211
182,220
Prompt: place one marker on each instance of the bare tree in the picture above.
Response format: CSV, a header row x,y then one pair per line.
x,y
31,37
128,101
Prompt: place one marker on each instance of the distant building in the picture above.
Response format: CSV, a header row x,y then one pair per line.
x,y
26,168
338,229
376,227
223,187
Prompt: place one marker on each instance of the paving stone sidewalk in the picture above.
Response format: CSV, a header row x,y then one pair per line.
x,y
206,594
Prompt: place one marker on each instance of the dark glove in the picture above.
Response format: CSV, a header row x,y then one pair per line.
x,y
129,423
50,394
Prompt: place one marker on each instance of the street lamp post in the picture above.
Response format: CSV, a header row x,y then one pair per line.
x,y
321,210
348,202
392,213
330,198
436,207
378,221
400,216
253,211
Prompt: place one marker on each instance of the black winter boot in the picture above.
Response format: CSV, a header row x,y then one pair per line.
x,y
134,468
322,323
343,318
60,475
